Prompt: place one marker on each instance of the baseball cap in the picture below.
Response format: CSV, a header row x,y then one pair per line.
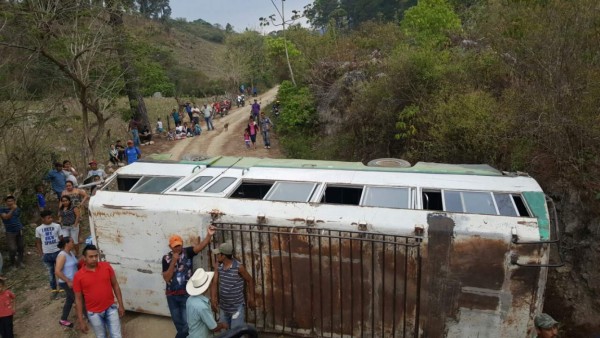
x,y
544,321
225,249
93,162
175,240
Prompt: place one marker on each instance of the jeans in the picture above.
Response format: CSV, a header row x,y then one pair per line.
x,y
15,246
209,125
233,319
68,302
266,138
178,314
136,137
50,262
107,319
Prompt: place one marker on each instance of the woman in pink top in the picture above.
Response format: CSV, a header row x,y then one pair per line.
x,y
252,129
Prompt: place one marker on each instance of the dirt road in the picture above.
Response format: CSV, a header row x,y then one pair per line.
x,y
38,315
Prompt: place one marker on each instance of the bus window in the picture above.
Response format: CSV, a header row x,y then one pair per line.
x,y
342,195
154,185
221,184
125,183
252,190
453,201
478,202
505,204
386,197
432,200
196,183
521,207
291,191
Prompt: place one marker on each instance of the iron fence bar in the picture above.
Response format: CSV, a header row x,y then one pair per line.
x,y
282,281
321,283
405,291
383,289
272,282
312,284
243,256
394,293
340,288
289,239
351,287
372,289
417,306
330,287
362,292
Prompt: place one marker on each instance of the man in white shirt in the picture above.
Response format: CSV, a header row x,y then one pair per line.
x,y
208,117
47,236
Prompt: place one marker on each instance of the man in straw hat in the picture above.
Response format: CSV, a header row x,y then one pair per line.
x,y
177,270
199,315
231,276
545,326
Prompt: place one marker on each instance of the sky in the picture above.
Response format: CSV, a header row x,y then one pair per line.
x,y
240,14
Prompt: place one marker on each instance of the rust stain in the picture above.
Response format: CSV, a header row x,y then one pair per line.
x,y
122,207
302,220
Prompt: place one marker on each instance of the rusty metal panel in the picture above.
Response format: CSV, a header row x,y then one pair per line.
x,y
326,283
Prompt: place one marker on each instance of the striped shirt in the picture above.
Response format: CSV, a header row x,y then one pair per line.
x,y
231,287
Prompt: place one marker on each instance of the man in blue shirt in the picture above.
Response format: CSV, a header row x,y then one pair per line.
x,y
132,153
57,179
10,215
199,315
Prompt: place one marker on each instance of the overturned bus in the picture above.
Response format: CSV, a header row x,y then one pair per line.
x,y
341,249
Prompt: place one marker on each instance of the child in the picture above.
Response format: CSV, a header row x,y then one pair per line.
x,y
7,311
247,138
197,129
159,126
171,135
113,154
41,198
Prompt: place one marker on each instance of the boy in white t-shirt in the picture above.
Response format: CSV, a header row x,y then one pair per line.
x,y
47,236
159,126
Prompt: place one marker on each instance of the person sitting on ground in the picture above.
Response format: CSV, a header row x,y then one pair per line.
x,y
188,130
66,266
113,155
179,129
146,135
197,129
121,150
171,135
69,217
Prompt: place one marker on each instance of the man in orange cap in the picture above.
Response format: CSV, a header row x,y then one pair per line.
x,y
177,267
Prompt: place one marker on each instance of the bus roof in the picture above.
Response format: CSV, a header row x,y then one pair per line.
x,y
420,167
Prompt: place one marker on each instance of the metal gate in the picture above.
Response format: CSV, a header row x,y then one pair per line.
x,y
329,283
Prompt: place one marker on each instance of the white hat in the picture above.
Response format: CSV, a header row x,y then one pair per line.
x,y
199,282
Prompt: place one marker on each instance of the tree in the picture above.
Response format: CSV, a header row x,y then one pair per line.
x,y
271,20
79,44
430,22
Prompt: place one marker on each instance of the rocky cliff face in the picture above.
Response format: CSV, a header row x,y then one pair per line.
x,y
573,291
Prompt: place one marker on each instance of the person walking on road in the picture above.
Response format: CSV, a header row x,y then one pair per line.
x,y
265,129
177,267
66,266
97,283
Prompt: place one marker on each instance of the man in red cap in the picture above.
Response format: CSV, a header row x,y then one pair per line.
x,y
177,267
